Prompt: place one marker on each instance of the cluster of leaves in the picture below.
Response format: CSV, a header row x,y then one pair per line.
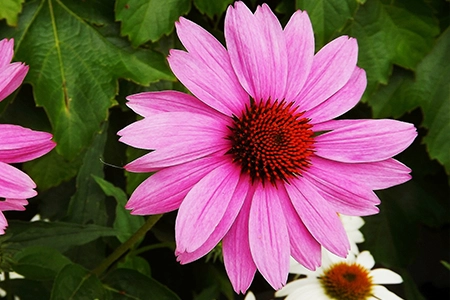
x,y
85,56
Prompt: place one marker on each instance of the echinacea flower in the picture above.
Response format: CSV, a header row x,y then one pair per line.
x,y
343,279
254,158
17,144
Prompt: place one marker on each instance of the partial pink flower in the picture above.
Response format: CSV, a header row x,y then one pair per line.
x,y
17,144
254,158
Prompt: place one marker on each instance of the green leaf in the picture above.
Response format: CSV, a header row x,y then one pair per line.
x,y
74,76
125,223
130,284
136,263
58,235
26,289
10,10
392,32
212,8
445,264
75,282
145,21
39,263
328,17
88,203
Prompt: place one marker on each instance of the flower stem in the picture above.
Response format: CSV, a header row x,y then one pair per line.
x,y
127,245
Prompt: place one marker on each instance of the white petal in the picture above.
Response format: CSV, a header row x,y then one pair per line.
x,y
380,292
385,276
366,260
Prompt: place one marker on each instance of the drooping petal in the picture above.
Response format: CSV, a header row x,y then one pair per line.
x,y
6,52
148,104
366,141
300,50
304,248
237,257
376,175
19,144
380,292
206,69
257,48
11,77
13,204
342,101
164,191
186,137
318,216
331,69
269,237
385,276
231,212
204,207
15,184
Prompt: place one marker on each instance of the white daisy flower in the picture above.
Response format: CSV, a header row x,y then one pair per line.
x,y
343,279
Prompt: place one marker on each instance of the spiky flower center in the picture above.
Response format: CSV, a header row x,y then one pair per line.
x,y
345,281
271,141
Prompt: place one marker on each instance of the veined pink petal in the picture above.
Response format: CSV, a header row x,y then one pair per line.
x,y
19,144
231,212
375,175
6,52
11,76
15,184
342,101
257,48
331,69
221,89
204,207
237,257
300,50
269,238
366,141
304,248
13,204
164,191
318,216
3,223
148,104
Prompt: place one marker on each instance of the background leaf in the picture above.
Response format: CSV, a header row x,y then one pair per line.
x,y
9,10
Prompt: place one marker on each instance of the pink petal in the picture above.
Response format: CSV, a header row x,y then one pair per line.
x,y
300,50
304,248
186,137
15,184
342,101
224,225
3,223
19,144
11,77
164,191
148,104
13,204
318,216
376,176
269,238
332,67
206,69
204,207
366,141
257,48
237,257
6,52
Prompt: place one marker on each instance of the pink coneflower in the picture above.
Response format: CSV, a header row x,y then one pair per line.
x,y
253,158
17,144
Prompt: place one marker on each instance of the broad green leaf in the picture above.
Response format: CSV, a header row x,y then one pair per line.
x,y
51,170
9,10
125,223
58,235
39,263
392,32
328,17
74,69
130,284
26,289
145,21
74,282
212,8
136,263
88,203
